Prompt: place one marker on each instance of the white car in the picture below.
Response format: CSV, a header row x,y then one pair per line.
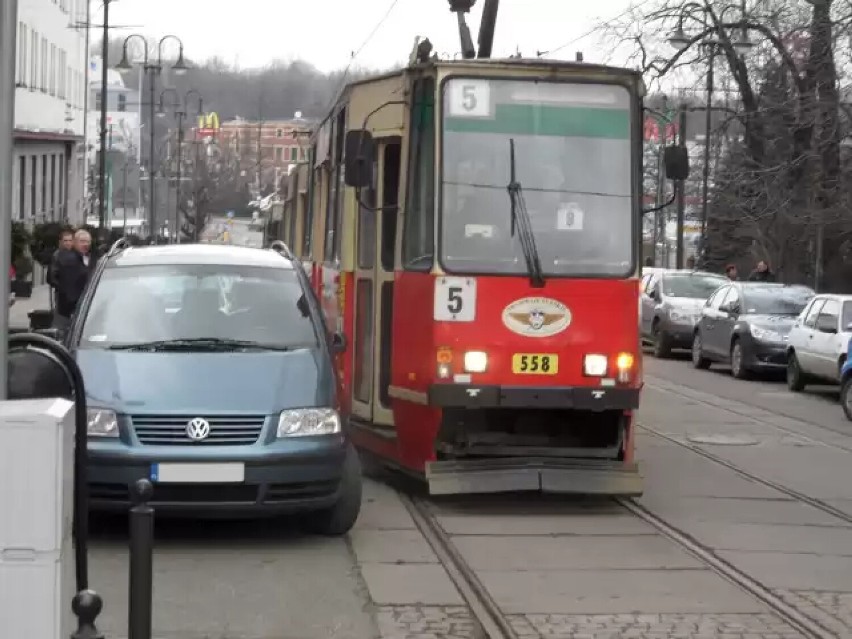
x,y
818,341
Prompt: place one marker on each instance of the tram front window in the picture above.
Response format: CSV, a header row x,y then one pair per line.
x,y
573,161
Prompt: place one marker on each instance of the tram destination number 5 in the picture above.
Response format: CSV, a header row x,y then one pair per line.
x,y
470,98
455,299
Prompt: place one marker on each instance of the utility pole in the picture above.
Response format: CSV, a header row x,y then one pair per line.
x,y
8,61
681,190
103,131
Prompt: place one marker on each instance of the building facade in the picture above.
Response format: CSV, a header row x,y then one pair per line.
x,y
281,143
50,98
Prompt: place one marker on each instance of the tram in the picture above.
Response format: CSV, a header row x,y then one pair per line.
x,y
473,228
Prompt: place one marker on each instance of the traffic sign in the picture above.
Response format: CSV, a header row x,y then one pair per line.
x,y
230,214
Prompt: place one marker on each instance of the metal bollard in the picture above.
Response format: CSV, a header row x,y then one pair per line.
x,y
87,605
141,561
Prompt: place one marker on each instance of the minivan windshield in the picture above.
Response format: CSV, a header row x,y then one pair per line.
x,y
776,301
152,303
691,285
573,166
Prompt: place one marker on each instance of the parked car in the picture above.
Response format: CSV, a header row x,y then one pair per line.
x,y
819,341
229,406
746,324
671,303
846,383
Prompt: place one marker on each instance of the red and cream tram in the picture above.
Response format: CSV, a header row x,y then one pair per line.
x,y
473,228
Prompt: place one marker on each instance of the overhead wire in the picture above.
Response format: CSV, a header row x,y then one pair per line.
x,y
358,51
591,31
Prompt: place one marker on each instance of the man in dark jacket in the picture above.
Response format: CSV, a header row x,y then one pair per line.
x,y
66,242
72,274
761,273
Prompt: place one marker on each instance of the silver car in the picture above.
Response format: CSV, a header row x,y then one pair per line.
x,y
671,304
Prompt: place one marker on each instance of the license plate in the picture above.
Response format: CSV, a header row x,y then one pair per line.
x,y
535,364
229,473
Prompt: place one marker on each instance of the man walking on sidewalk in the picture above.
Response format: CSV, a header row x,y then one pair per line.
x,y
66,243
72,274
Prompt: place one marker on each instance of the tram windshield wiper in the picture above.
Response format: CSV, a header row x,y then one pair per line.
x,y
521,219
203,344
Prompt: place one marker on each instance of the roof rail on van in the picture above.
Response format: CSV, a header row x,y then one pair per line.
x,y
280,247
119,245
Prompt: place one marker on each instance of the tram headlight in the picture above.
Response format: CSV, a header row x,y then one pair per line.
x,y
475,361
102,422
307,422
594,365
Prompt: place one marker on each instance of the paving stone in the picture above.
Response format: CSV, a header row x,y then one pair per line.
x,y
830,609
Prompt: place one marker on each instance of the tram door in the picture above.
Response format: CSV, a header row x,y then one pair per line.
x,y
374,287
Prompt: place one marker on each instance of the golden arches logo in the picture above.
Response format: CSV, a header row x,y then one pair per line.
x,y
209,121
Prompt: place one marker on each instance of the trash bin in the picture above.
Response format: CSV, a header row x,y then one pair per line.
x,y
40,319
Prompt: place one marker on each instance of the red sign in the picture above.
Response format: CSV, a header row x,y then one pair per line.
x,y
207,133
652,130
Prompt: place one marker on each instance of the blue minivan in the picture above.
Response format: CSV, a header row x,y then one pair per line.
x,y
846,383
208,370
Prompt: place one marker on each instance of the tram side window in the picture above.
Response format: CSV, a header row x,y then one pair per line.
x,y
390,191
418,246
308,228
334,203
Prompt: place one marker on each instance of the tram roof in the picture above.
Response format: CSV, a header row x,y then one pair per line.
x,y
479,65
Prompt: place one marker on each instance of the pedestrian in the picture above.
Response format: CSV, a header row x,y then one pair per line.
x,y
73,267
66,243
762,273
731,272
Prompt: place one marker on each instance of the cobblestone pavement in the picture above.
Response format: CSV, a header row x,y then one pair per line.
x,y
454,622
833,610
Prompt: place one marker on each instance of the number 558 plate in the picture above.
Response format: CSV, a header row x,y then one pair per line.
x,y
455,299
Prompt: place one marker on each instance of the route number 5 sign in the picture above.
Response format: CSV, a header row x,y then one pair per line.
x,y
470,98
455,299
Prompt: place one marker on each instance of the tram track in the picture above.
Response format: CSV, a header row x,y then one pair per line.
x,y
789,431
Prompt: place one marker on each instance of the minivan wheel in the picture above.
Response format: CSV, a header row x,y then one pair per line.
x,y
698,359
795,379
662,342
339,518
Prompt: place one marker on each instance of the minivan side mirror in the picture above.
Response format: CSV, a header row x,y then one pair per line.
x,y
676,162
826,324
338,343
358,153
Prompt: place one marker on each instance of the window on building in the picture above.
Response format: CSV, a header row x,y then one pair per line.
x,y
22,187
62,198
34,40
279,133
294,153
43,183
63,74
33,185
279,153
51,71
52,187
21,77
97,100
418,242
122,102
44,65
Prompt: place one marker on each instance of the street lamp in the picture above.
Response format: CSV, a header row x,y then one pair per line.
x,y
712,36
180,113
154,68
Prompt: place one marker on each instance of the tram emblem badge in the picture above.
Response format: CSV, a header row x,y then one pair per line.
x,y
536,317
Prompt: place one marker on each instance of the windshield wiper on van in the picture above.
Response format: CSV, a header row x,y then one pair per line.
x,y
204,344
521,219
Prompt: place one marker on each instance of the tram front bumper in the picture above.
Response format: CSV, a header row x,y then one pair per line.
x,y
532,474
568,397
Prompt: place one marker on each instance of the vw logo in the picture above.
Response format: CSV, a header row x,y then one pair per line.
x,y
198,429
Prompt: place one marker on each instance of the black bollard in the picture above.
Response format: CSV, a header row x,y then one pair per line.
x,y
141,560
87,605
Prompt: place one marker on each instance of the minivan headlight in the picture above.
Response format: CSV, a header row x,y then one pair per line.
x,y
102,422
306,422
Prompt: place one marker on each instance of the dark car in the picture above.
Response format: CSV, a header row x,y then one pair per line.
x,y
746,324
208,370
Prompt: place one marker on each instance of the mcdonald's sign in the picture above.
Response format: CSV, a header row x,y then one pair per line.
x,y
208,124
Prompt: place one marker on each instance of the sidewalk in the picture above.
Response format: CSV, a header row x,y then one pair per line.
x,y
40,300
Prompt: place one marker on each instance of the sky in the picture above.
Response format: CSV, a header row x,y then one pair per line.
x,y
253,33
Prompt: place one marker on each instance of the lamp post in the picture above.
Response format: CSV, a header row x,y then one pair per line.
x,y
154,68
712,36
181,110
